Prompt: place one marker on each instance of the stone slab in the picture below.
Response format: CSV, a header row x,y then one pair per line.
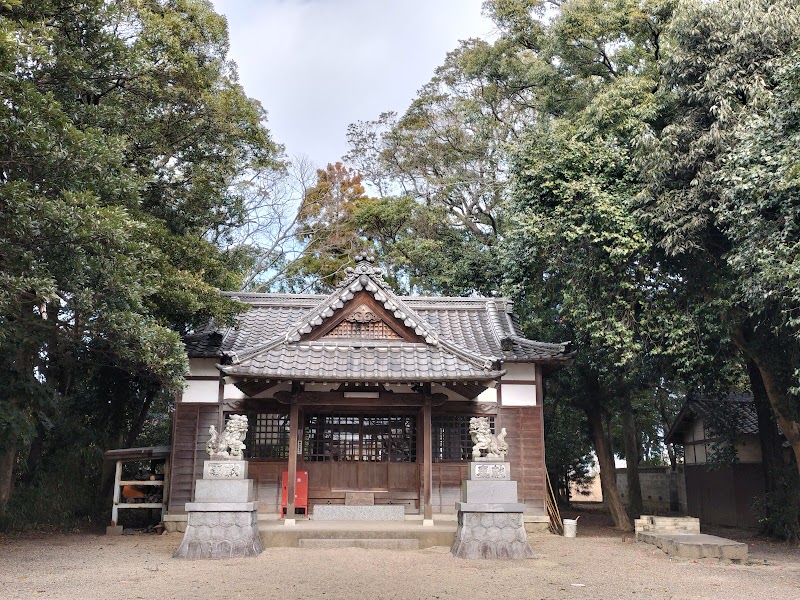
x,y
516,507
494,470
215,535
225,469
696,545
359,499
221,506
491,535
369,544
378,512
489,491
224,490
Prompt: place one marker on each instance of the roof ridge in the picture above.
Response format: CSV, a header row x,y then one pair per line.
x,y
366,276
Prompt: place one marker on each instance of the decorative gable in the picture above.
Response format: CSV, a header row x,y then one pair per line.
x,y
363,323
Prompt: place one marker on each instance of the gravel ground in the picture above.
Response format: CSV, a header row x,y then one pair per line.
x,y
598,564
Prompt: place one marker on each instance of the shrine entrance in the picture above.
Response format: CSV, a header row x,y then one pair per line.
x,y
362,452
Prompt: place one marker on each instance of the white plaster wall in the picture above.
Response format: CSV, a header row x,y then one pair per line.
x,y
487,395
518,395
697,432
519,372
203,366
689,455
200,391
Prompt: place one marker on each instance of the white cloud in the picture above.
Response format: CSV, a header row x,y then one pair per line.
x,y
319,65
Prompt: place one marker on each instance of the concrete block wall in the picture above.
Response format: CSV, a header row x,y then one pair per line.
x,y
663,490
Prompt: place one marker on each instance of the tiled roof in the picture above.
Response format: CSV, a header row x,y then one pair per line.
x,y
746,419
387,361
465,338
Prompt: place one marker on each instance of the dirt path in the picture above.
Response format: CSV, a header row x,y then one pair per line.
x,y
597,565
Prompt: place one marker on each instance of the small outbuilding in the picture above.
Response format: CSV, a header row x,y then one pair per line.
x,y
717,492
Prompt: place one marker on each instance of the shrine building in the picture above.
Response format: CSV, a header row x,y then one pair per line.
x,y
368,392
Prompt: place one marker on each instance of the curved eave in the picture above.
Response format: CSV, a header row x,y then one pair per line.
x,y
234,371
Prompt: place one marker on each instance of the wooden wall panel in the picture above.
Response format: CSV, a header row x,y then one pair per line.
x,y
525,437
447,478
190,423
266,476
725,495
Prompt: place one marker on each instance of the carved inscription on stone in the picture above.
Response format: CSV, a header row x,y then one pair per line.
x,y
224,471
491,471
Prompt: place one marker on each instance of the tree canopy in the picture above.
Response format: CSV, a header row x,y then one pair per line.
x,y
123,133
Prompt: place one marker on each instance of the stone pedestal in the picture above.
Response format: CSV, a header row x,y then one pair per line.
x,y
490,520
223,519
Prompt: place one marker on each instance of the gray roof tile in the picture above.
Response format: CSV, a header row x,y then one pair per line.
x,y
466,338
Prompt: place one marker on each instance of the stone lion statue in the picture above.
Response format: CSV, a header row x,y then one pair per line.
x,y
231,443
484,439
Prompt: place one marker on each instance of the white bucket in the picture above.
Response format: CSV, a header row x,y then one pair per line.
x,y
570,527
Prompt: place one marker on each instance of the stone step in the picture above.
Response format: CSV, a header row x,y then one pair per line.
x,y
696,545
370,544
340,512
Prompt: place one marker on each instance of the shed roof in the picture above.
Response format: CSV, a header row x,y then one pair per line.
x,y
457,339
699,407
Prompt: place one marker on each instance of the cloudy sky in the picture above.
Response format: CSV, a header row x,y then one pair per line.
x,y
319,65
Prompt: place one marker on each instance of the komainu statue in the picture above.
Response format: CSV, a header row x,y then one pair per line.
x,y
231,443
484,439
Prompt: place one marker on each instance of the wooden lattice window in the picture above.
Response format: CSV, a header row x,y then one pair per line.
x,y
330,437
267,436
450,437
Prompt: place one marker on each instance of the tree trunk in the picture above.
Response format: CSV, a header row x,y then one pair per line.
x,y
768,435
8,457
608,472
631,439
776,386
141,418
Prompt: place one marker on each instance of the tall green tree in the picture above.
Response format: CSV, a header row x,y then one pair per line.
x,y
123,133
722,178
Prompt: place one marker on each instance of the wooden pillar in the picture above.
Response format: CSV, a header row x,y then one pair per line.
x,y
294,428
221,402
427,459
117,489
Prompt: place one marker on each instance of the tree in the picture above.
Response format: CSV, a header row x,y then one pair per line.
x,y
124,133
721,178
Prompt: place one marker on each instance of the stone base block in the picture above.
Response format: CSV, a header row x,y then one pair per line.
x,y
657,524
114,530
494,471
368,544
490,507
175,523
537,524
221,506
220,535
495,492
223,490
491,535
378,512
225,469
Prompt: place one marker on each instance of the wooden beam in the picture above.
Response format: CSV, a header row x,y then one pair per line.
x,y
338,399
294,427
427,459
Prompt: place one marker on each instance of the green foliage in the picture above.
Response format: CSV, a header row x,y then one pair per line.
x,y
780,509
123,136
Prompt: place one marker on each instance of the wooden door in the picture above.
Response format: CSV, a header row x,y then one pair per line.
x,y
360,452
